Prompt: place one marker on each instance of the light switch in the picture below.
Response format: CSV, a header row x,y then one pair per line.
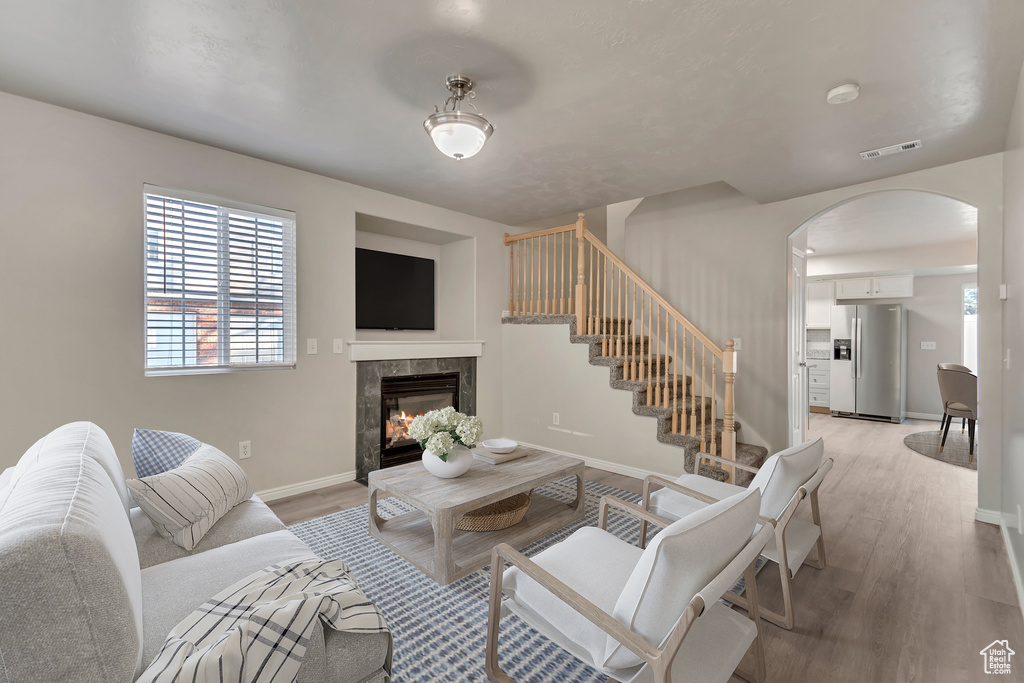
x,y
339,346
928,346
311,347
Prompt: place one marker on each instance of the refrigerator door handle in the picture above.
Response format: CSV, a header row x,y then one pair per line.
x,y
857,348
853,356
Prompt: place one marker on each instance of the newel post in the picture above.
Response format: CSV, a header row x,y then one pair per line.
x,y
581,287
729,400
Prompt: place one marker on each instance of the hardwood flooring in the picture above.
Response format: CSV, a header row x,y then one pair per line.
x,y
914,587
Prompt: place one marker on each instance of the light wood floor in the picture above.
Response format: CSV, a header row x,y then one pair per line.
x,y
914,586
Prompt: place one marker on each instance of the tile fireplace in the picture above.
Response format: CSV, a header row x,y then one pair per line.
x,y
387,389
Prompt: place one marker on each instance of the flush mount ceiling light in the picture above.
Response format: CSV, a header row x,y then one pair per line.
x,y
809,250
458,134
842,94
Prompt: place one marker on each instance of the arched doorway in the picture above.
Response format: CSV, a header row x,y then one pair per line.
x,y
884,237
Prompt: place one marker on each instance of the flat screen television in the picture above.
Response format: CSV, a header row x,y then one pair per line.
x,y
393,291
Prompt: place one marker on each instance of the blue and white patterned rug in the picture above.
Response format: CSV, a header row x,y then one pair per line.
x,y
440,631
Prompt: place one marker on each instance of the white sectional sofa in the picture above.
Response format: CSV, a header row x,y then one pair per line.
x,y
90,590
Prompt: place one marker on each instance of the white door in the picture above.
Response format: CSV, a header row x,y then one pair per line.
x,y
799,406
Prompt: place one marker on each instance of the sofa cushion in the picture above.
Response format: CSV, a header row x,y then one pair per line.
x,y
184,503
172,590
247,519
155,451
92,441
72,593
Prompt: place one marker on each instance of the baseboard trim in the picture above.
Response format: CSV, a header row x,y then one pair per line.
x,y
615,467
990,516
1014,567
925,416
268,495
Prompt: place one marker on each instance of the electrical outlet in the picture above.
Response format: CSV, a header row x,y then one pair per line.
x,y
339,346
554,418
737,343
244,450
311,347
928,346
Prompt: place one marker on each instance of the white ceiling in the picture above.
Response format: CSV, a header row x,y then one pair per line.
x,y
594,101
892,220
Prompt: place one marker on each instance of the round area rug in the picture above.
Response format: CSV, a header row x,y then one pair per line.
x,y
955,452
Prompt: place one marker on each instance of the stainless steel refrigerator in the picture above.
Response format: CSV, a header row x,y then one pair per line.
x,y
869,362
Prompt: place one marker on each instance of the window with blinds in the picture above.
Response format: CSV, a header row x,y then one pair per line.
x,y
220,284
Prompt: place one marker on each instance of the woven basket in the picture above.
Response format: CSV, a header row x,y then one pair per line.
x,y
499,515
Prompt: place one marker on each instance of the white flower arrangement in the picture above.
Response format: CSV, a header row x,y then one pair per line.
x,y
440,430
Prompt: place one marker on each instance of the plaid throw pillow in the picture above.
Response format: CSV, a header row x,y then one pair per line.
x,y
154,451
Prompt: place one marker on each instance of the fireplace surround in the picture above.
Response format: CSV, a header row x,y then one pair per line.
x,y
370,403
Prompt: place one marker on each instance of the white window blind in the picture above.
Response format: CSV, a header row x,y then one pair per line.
x,y
220,284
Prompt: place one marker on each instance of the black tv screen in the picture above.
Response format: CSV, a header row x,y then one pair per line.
x,y
393,292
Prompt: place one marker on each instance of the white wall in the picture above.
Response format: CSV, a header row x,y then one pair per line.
x,y
544,373
723,263
1013,334
71,298
934,313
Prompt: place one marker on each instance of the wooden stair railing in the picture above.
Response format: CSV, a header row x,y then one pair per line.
x,y
612,302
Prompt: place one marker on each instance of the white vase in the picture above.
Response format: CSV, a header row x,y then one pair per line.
x,y
459,460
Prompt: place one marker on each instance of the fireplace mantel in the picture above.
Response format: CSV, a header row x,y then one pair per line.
x,y
401,350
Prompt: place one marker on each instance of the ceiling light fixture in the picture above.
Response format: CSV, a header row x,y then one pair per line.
x,y
458,134
842,94
809,250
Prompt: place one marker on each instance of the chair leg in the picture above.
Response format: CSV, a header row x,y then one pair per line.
x,y
942,423
492,668
816,516
970,430
945,432
963,421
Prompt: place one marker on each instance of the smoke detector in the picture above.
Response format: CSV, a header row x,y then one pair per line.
x,y
891,149
842,94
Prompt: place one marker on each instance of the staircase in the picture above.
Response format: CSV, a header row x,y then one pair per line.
x,y
637,335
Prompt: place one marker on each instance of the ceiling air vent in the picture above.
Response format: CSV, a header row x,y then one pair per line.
x,y
891,149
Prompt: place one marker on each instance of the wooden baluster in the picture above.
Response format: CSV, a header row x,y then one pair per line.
x,y
728,407
675,376
640,352
580,304
650,343
561,279
657,361
511,279
682,413
714,406
693,388
703,398
616,331
665,390
632,337
623,310
519,280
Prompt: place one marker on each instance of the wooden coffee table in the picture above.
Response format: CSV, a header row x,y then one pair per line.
x,y
427,536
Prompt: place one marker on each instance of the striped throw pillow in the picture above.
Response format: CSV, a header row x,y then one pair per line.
x,y
184,503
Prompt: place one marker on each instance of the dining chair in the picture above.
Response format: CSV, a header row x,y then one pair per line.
x,y
958,388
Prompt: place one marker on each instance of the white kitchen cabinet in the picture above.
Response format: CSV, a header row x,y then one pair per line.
x,y
858,288
888,287
820,297
894,287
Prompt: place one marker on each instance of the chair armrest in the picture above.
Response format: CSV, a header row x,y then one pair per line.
x,y
815,481
730,463
667,483
628,508
679,488
594,614
727,577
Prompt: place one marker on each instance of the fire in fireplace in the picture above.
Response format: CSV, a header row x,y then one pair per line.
x,y
402,400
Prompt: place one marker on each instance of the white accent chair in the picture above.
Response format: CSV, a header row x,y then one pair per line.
x,y
650,615
784,480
